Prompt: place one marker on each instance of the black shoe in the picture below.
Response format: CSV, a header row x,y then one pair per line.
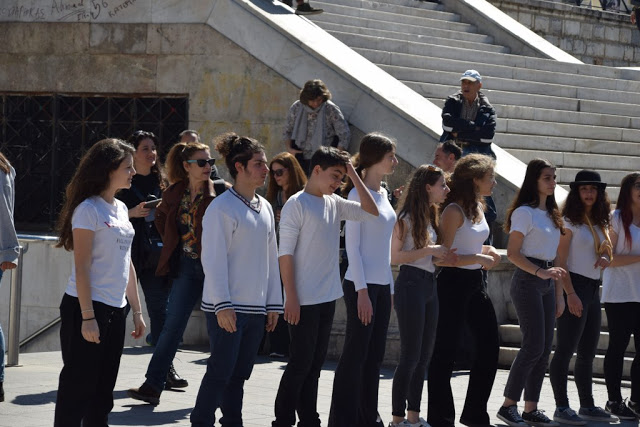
x,y
1,392
146,393
306,9
634,407
174,380
470,423
620,410
379,422
538,418
510,415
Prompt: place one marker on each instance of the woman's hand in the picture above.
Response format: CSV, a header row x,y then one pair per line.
x,y
272,321
90,331
227,319
365,309
139,326
7,265
139,211
602,262
487,261
553,273
559,305
574,303
292,310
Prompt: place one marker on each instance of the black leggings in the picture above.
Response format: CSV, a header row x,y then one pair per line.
x,y
624,320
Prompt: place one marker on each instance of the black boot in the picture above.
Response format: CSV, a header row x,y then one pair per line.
x,y
174,380
1,392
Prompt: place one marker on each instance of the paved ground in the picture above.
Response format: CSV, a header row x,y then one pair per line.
x,y
31,390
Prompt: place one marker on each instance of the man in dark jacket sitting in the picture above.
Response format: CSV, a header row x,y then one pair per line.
x,y
468,117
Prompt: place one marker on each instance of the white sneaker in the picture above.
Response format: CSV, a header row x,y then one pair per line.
x,y
421,423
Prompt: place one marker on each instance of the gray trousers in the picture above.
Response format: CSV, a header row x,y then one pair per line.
x,y
535,303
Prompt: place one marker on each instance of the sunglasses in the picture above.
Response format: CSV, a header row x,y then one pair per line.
x,y
278,172
202,162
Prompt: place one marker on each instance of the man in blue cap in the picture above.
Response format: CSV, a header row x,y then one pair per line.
x,y
468,118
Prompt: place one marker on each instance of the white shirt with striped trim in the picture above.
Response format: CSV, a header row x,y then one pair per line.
x,y
240,257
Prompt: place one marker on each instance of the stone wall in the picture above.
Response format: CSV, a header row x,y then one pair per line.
x,y
593,36
228,89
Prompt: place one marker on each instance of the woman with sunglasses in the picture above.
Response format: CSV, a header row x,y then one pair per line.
x,y
179,221
621,298
286,178
463,298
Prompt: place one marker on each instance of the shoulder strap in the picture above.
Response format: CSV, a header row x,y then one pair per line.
x,y
138,193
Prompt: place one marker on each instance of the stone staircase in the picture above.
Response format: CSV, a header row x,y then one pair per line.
x,y
576,115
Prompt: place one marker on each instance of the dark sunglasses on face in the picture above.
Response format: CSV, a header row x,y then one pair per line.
x,y
202,162
278,172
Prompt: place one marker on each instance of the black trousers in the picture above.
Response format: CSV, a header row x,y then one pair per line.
x,y
581,334
298,391
463,298
624,320
354,401
85,388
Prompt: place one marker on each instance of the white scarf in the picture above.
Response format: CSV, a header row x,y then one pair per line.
x,y
299,133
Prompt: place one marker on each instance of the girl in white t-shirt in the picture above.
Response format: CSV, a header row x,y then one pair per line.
x,y
463,298
95,226
414,246
621,298
534,225
367,290
584,251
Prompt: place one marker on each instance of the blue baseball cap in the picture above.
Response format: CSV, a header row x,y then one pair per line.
x,y
472,75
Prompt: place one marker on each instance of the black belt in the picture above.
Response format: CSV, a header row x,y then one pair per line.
x,y
541,262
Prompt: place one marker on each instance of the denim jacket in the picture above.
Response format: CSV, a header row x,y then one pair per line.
x,y
9,245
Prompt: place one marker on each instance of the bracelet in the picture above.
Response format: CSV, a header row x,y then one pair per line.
x,y
90,318
86,311
137,312
536,272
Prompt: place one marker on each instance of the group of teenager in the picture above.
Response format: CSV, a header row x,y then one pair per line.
x,y
271,265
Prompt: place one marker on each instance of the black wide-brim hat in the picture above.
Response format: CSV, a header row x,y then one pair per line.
x,y
588,177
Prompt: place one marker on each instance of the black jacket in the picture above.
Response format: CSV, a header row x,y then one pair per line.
x,y
479,131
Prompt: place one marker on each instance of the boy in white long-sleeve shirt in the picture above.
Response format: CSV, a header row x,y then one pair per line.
x,y
309,243
242,280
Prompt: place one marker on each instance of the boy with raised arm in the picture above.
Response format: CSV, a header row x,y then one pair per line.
x,y
309,243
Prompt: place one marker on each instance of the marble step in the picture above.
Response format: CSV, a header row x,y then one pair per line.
x,y
440,39
337,6
580,160
575,145
568,130
533,100
520,85
580,118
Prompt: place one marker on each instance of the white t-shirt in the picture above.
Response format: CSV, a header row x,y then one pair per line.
x,y
541,237
622,284
582,251
368,244
310,231
111,250
240,257
470,238
424,263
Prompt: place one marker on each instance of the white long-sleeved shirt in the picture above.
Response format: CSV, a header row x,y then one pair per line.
x,y
368,244
310,231
240,257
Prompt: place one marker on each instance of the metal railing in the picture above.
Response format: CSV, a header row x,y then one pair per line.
x,y
15,300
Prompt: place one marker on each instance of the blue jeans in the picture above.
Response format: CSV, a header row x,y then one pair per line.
x,y
1,348
229,366
185,292
156,295
479,149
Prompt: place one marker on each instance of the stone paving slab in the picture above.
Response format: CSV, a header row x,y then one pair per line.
x,y
31,391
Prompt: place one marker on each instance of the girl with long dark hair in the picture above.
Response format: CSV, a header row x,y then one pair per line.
x,y
584,251
621,298
415,246
534,224
463,298
95,226
367,290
